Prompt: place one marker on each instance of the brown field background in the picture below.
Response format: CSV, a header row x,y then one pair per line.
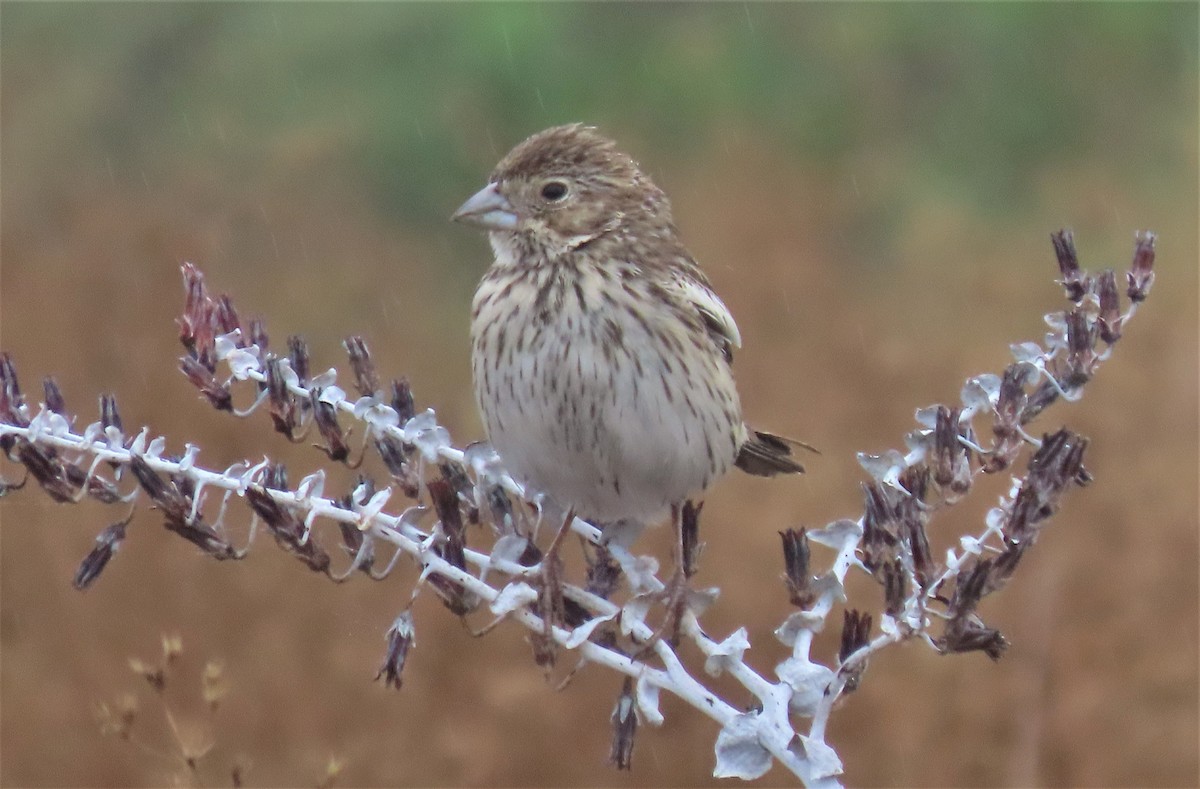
x,y
871,189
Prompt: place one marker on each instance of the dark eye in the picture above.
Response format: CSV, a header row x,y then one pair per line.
x,y
554,191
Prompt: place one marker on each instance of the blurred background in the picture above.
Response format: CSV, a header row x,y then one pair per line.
x,y
870,187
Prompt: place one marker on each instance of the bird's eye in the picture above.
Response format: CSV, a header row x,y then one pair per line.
x,y
554,191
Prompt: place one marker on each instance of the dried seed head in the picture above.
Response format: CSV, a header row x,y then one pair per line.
x,y
1141,272
366,380
258,334
54,396
1109,320
402,400
1073,278
298,355
856,634
624,722
797,573
107,543
401,637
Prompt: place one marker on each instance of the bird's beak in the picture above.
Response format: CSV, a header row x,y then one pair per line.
x,y
489,209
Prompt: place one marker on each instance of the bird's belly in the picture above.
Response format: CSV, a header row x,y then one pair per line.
x,y
615,430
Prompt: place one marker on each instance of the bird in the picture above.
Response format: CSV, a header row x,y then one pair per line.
x,y
602,357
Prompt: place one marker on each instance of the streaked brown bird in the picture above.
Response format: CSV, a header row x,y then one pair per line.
x,y
602,358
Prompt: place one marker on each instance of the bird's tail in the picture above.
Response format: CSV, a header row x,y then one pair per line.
x,y
766,454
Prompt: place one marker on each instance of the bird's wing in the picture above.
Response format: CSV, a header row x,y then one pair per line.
x,y
716,316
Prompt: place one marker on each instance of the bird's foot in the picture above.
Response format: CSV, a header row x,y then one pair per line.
x,y
675,598
551,606
686,518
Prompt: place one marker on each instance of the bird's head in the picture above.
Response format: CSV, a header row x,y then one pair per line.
x,y
564,188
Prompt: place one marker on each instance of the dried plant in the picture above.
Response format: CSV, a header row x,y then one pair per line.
x,y
467,525
190,737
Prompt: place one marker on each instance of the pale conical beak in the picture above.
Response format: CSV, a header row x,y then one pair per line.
x,y
487,208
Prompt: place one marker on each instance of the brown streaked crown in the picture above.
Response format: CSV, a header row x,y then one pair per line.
x,y
567,150
604,188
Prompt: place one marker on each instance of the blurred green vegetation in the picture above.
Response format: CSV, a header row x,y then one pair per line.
x,y
413,99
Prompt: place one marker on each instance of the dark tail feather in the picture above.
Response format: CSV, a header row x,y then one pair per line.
x,y
765,455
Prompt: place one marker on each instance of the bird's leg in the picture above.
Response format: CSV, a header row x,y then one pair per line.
x,y
685,520
550,596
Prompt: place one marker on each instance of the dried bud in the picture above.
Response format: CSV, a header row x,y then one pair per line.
x,y
352,537
1012,399
880,538
970,635
366,380
284,405
177,512
1081,349
797,574
625,722
970,587
895,587
915,480
1006,563
193,324
1042,398
965,632
54,396
46,467
226,319
951,464
110,416
1007,418
454,473
325,415
10,387
298,354
107,543
11,405
445,503
402,400
1060,458
401,637
1073,279
395,454
287,529
451,548
1141,272
1109,320
201,377
856,634
258,334
924,567
1056,464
